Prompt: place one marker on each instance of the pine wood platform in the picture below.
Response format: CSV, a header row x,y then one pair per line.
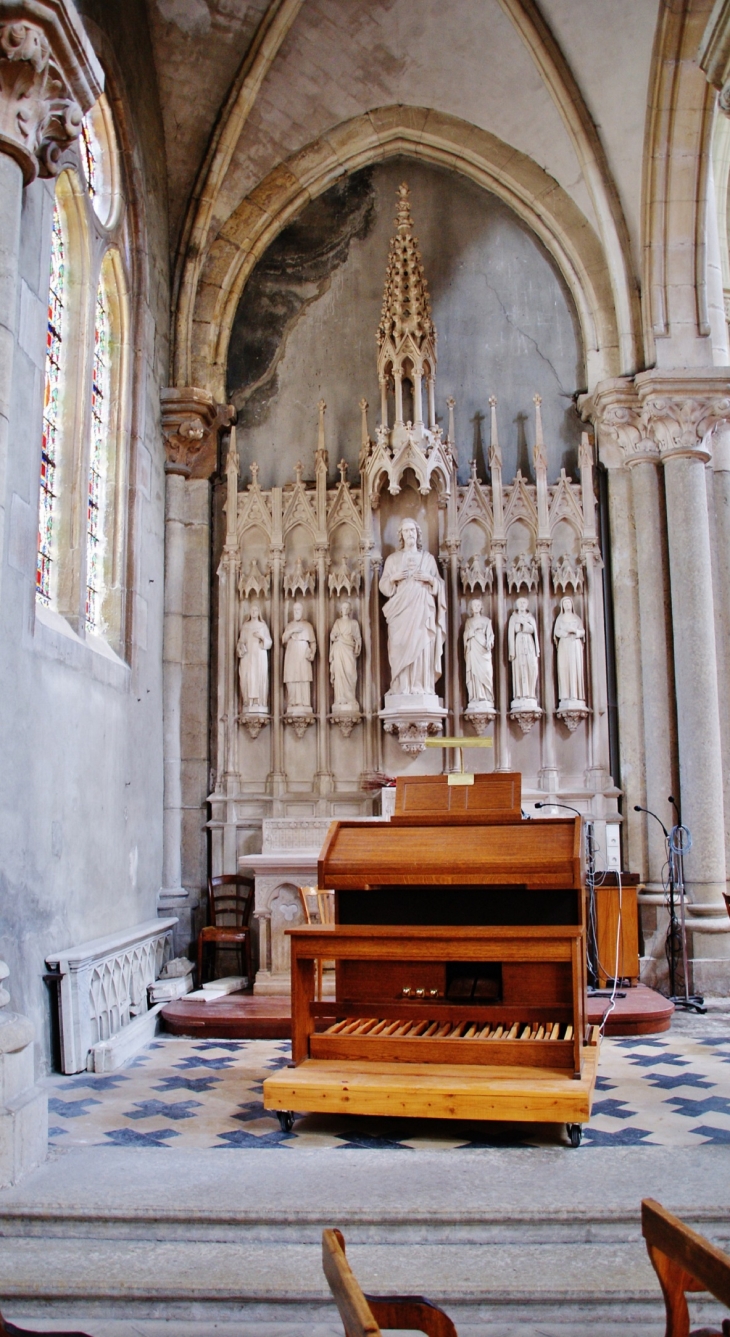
x,y
243,1016
443,1091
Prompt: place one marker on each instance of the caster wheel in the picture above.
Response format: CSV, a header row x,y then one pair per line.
x,y
575,1134
286,1120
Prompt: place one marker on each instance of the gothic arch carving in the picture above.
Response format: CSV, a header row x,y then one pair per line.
x,y
433,137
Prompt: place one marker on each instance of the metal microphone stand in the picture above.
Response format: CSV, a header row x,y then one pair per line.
x,y
678,842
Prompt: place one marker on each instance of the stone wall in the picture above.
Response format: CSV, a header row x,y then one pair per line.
x,y
81,780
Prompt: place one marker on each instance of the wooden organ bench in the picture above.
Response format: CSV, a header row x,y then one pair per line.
x,y
459,942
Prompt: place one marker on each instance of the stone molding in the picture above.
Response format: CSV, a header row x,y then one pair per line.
x,y
49,78
657,416
190,422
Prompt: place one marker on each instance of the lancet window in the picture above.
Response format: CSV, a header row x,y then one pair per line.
x,y
85,420
51,410
100,396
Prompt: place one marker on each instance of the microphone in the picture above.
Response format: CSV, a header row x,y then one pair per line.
x,y
560,805
676,809
649,813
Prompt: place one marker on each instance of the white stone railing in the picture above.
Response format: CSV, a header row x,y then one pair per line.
x,y
103,985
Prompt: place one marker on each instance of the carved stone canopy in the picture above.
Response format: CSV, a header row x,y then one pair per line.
x,y
190,422
49,78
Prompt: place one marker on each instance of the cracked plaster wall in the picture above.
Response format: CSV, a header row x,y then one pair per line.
x,y
305,327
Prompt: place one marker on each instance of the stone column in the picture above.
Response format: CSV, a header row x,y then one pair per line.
x,y
678,411
190,420
721,587
49,78
648,713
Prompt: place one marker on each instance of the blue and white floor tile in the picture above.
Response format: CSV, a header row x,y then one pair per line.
x,y
667,1090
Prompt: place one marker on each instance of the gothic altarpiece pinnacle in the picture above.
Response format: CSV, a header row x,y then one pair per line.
x,y
355,621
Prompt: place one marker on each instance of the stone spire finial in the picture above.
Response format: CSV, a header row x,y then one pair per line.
x,y
406,302
539,455
495,454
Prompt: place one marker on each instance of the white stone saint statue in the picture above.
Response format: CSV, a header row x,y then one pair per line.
x,y
254,643
345,647
478,646
569,636
524,651
415,613
300,644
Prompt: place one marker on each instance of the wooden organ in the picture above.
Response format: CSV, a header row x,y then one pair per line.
x,y
459,949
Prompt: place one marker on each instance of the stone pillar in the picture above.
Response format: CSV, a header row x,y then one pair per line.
x,y
49,78
647,709
190,421
678,411
721,588
23,1105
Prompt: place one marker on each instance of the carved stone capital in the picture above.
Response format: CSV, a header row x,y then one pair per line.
x,y
680,410
49,78
190,422
615,411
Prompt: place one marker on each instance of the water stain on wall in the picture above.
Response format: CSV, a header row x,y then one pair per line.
x,y
295,271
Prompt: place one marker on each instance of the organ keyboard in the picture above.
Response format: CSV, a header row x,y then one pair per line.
x,y
459,950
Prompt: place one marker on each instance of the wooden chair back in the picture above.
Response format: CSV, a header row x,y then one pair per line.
x,y
308,898
368,1315
683,1261
326,906
230,900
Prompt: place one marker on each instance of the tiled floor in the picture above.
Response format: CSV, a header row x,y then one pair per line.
x,y
667,1090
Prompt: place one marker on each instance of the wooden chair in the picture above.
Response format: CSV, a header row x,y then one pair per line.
x,y
230,902
318,905
367,1315
684,1261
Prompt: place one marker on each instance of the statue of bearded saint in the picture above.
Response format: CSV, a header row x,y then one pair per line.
x,y
300,644
415,613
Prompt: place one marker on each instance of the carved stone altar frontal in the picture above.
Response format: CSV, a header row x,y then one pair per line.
x,y
483,616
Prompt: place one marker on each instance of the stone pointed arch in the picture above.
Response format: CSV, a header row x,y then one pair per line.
x,y
677,153
428,136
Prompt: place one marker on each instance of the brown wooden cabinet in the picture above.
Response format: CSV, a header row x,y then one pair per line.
x,y
460,969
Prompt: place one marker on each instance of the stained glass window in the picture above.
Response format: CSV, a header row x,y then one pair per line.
x,y
89,146
51,411
100,395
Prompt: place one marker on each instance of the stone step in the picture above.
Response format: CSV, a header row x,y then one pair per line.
x,y
505,1236
263,1281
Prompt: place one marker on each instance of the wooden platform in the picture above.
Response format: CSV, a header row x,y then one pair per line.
x,y
243,1016
436,1091
240,1016
641,1012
